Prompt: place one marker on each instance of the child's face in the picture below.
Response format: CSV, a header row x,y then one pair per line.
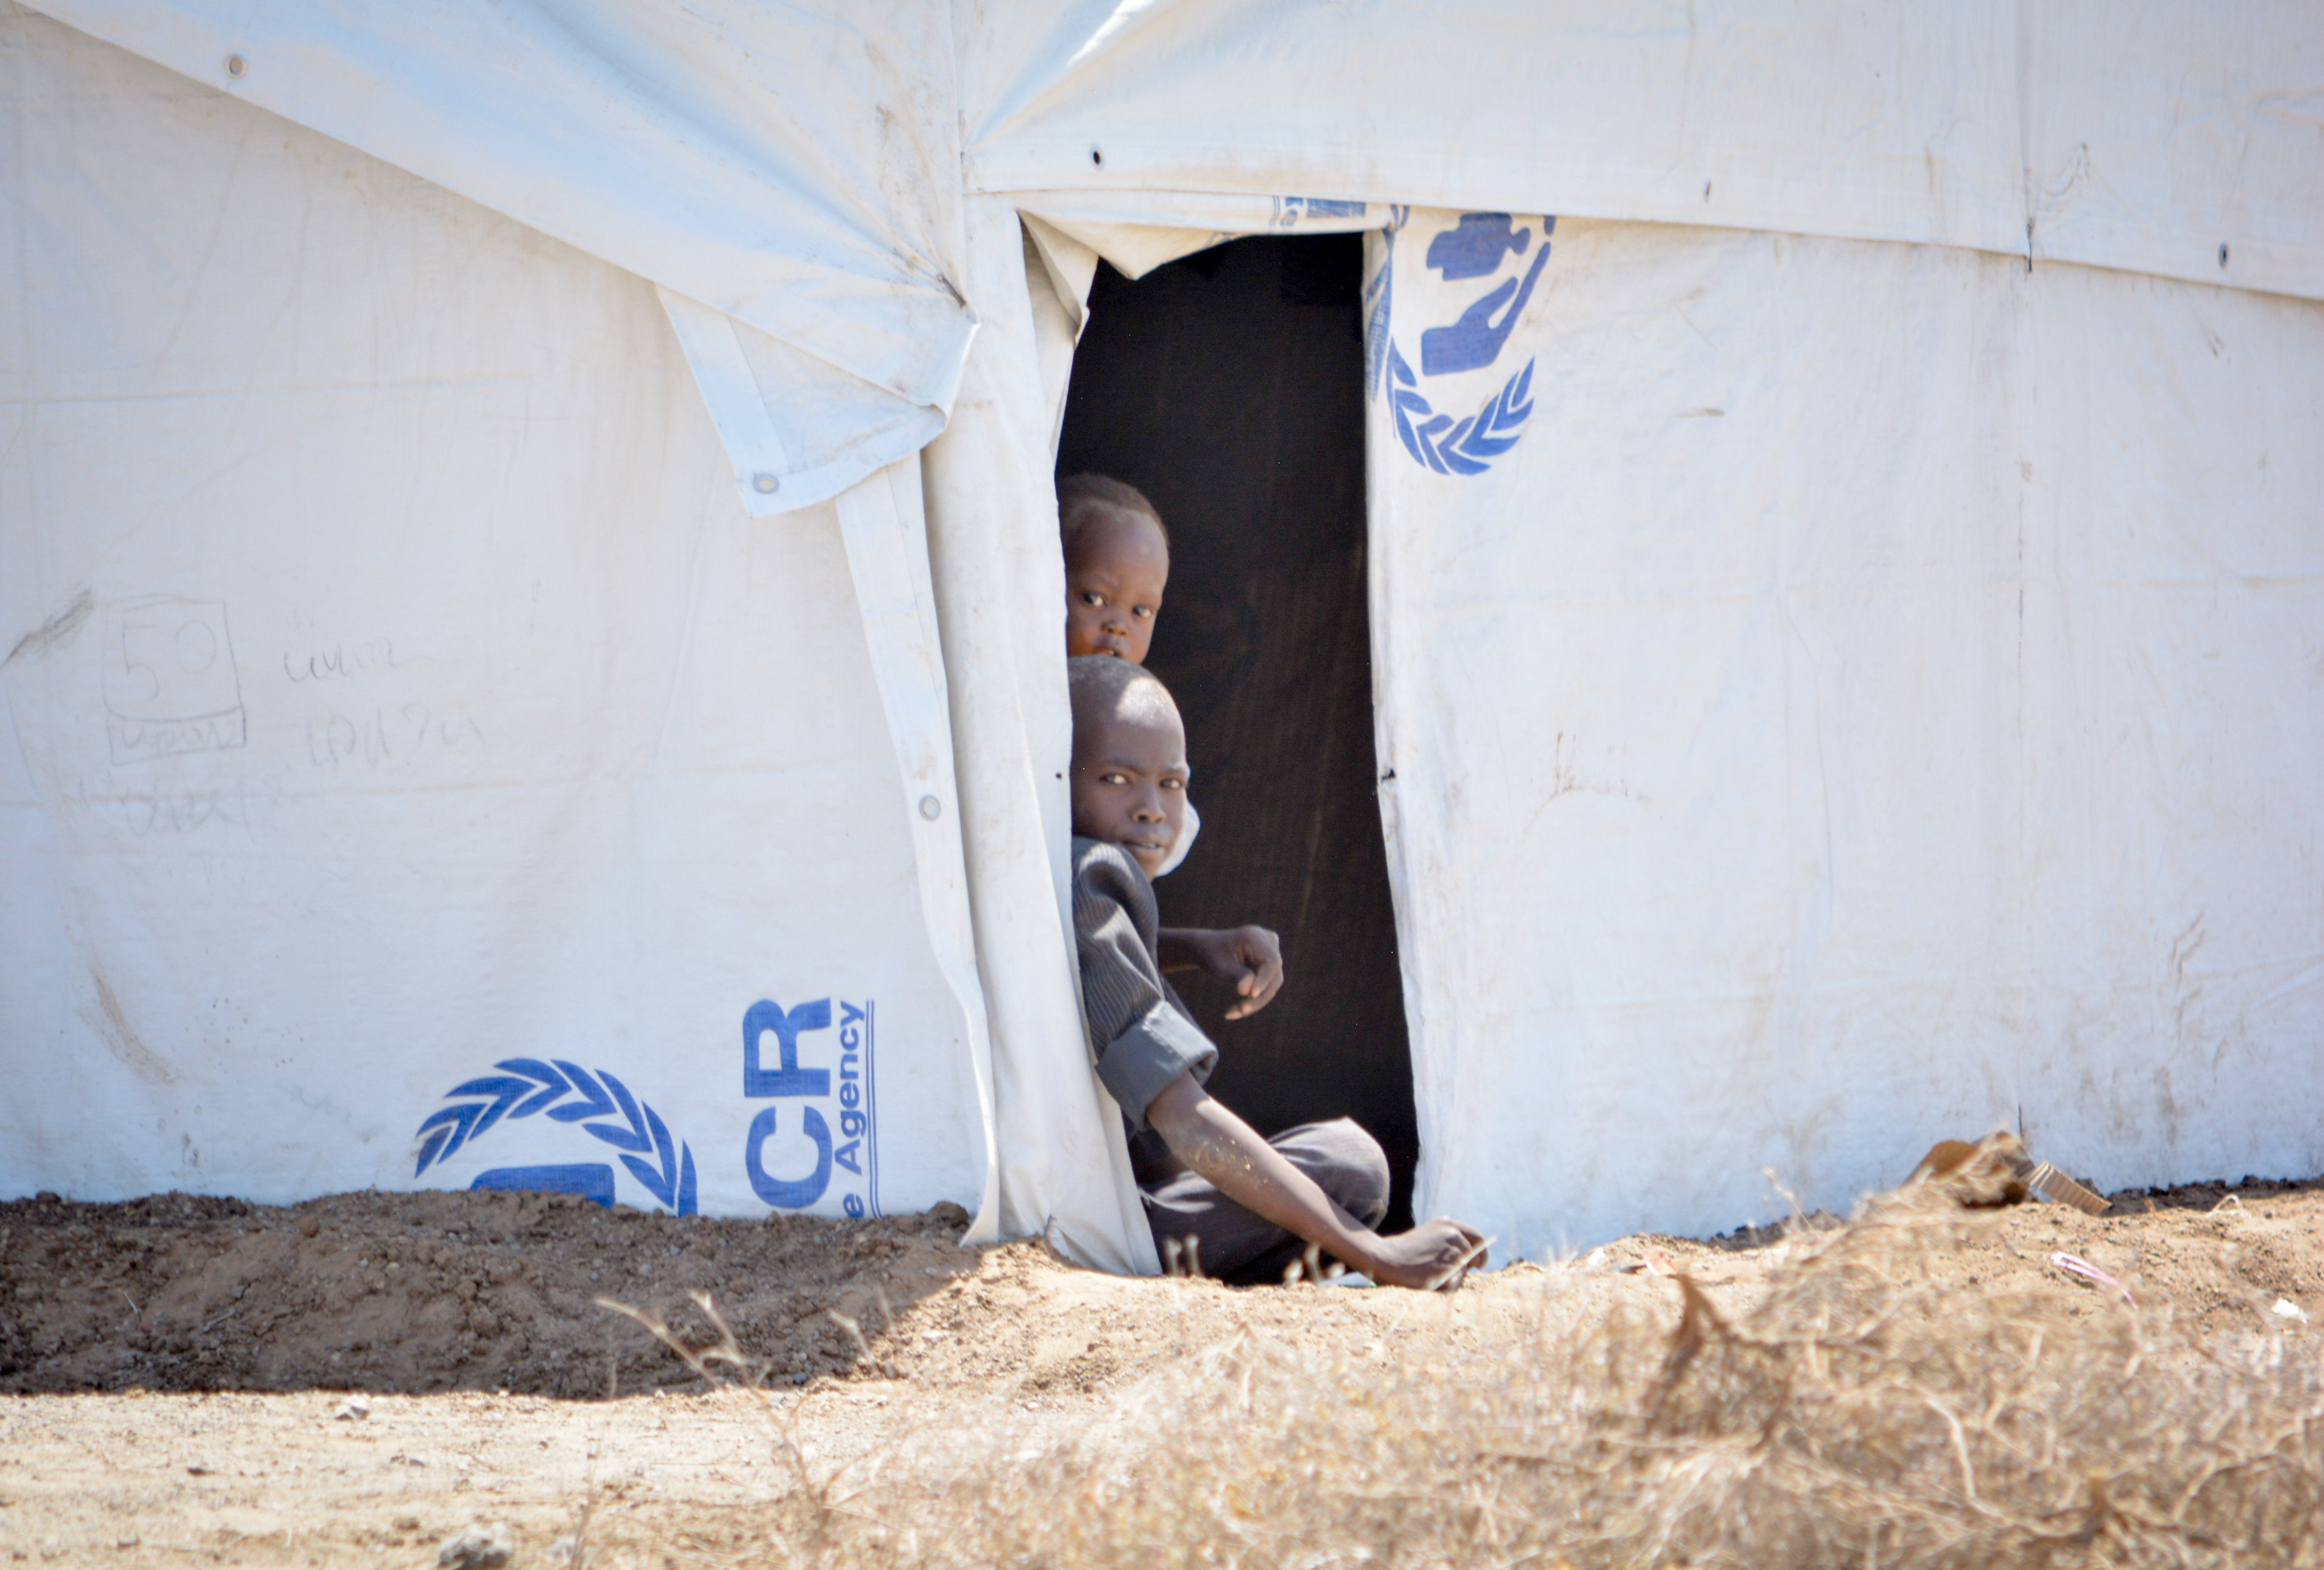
x,y
1130,781
1115,570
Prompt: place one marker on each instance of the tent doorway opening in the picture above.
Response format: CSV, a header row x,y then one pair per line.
x,y
1229,387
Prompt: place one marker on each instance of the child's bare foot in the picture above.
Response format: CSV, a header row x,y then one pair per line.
x,y
1432,1254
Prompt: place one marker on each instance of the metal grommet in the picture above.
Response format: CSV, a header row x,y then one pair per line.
x,y
235,66
931,808
766,484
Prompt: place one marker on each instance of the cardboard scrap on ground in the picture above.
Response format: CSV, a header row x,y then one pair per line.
x,y
2051,1184
1997,1170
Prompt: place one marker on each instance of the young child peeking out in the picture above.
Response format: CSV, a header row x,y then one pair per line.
x,y
1218,1196
1117,564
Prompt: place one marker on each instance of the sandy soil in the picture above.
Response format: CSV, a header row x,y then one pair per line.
x,y
180,1372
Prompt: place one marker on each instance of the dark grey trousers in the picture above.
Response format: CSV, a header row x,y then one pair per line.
x,y
1241,1249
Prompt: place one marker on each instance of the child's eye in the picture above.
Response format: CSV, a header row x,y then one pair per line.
x,y
1091,597
1143,612
1174,784
1113,779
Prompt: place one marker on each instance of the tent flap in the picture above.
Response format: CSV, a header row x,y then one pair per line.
x,y
887,541
796,431
1000,579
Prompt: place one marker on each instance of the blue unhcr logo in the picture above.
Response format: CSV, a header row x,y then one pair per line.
x,y
663,1167
1478,246
855,1151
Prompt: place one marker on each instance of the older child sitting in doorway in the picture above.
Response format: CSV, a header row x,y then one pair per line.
x,y
1233,1204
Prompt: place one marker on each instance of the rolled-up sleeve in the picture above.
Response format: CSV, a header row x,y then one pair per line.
x,y
1143,1041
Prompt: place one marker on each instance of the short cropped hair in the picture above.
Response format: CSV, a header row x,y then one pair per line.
x,y
1103,687
1077,494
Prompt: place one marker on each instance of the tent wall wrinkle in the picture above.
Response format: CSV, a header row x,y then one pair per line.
x,y
724,150
1000,579
1138,231
2178,139
2140,137
1890,120
1057,270
1071,265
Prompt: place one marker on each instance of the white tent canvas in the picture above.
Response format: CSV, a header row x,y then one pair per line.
x,y
406,694
1854,714
1861,684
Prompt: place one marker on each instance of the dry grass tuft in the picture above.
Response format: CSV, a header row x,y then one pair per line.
x,y
1861,1414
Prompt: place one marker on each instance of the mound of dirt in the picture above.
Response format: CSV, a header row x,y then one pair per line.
x,y
436,1291
1923,1387
971,1389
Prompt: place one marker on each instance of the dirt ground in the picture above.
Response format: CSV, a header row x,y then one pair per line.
x,y
359,1378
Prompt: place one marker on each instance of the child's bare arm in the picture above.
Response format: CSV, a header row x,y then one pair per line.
x,y
1248,959
1221,1146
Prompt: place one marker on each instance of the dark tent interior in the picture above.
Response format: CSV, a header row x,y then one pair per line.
x,y
1229,387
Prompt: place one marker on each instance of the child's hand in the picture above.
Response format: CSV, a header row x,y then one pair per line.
x,y
1431,1256
1248,959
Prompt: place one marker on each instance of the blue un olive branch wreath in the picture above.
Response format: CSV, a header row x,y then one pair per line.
x,y
1470,445
526,1085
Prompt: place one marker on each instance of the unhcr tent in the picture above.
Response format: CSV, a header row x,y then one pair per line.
x,y
529,587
